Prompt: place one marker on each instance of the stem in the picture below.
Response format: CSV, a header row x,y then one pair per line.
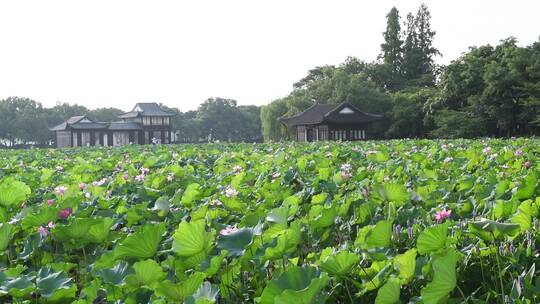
x,y
500,276
348,291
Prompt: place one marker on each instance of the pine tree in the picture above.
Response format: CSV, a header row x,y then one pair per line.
x,y
418,50
391,51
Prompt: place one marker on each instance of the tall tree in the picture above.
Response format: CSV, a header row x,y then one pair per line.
x,y
418,50
391,52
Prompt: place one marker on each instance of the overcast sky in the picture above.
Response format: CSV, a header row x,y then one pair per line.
x,y
116,53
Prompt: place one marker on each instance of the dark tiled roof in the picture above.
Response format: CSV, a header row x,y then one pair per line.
x,y
312,115
128,126
319,113
79,123
146,109
89,125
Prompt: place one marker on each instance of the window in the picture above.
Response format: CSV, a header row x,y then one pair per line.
x,y
166,121
146,121
323,133
156,121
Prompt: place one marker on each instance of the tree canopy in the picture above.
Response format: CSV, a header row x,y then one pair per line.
x,y
488,91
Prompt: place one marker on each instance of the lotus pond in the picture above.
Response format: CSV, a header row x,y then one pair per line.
x,y
366,222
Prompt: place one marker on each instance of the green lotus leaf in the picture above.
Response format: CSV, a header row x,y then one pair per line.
x,y
299,285
179,291
6,233
527,188
13,192
490,230
99,232
236,242
378,236
76,230
191,194
432,238
392,193
55,285
40,217
19,287
405,264
162,205
389,292
340,264
321,217
147,273
444,278
524,215
115,275
279,216
141,244
191,238
286,242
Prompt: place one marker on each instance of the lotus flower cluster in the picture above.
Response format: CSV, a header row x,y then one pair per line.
x,y
346,171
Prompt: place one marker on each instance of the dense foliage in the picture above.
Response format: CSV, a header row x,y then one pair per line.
x,y
365,222
488,91
25,121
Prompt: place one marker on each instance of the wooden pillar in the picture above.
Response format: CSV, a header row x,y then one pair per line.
x,y
92,138
110,138
79,139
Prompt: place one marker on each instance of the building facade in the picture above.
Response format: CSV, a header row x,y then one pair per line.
x,y
330,122
146,123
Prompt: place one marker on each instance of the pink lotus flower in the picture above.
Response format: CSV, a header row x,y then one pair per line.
x,y
237,169
527,164
82,186
448,160
99,183
144,171
365,193
140,178
51,225
44,232
276,175
60,190
170,177
59,168
487,150
228,230
442,214
345,175
50,202
230,192
125,176
65,213
518,153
